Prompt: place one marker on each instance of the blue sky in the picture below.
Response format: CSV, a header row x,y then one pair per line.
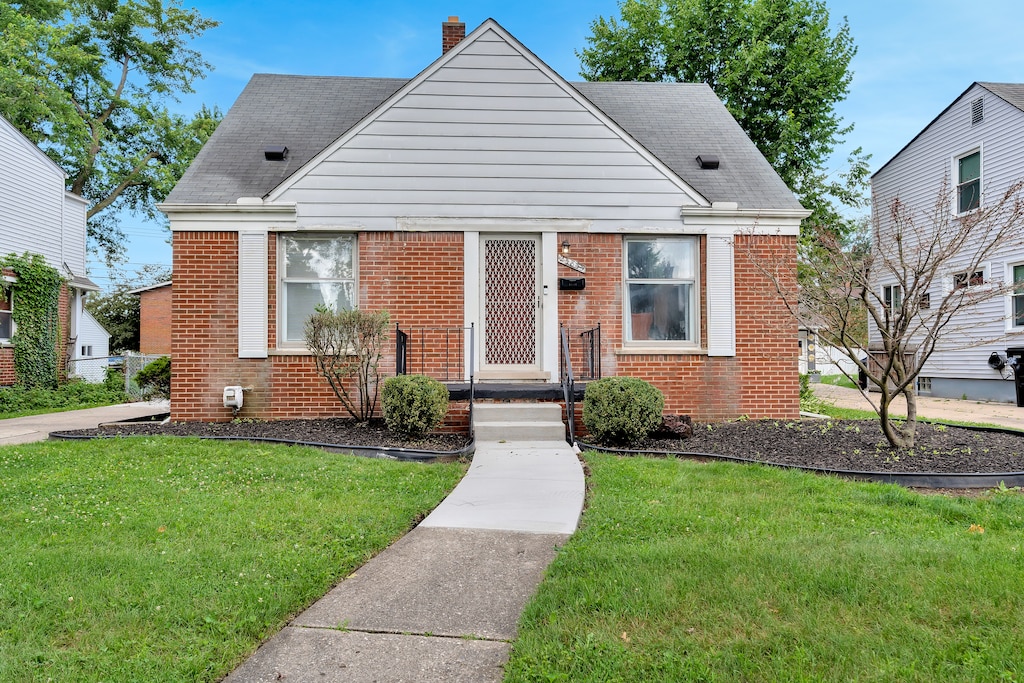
x,y
914,57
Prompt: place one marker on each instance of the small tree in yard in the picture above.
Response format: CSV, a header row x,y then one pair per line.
x,y
914,285
346,346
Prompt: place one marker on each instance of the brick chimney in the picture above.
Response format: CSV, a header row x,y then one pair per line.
x,y
452,33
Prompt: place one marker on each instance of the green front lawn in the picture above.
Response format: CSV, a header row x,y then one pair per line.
x,y
171,560
683,571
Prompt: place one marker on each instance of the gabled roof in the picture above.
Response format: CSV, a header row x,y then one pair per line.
x,y
149,288
672,122
1012,93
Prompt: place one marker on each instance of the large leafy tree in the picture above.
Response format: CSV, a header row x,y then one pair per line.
x,y
90,82
778,66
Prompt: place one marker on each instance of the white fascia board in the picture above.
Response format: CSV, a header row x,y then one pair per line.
x,y
507,225
727,220
229,217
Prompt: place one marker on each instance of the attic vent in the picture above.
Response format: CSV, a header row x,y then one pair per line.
x,y
707,161
977,111
275,152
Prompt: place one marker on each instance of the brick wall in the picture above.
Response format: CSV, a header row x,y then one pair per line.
x,y
155,321
418,278
397,272
760,381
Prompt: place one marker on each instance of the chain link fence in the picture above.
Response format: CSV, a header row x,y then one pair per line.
x,y
132,365
93,370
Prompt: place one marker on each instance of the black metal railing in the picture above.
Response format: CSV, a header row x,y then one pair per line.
x,y
568,383
591,343
438,352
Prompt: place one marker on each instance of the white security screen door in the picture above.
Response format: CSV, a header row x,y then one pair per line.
x,y
511,303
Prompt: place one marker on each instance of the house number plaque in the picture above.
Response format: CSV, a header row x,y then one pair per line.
x,y
575,265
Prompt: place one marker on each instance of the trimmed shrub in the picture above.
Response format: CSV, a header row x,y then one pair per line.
x,y
413,405
155,378
622,410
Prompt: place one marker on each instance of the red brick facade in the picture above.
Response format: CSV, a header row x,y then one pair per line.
x,y
155,321
418,278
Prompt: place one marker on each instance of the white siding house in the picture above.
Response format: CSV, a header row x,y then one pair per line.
x,y
964,159
38,216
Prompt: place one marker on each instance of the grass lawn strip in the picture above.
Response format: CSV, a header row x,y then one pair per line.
x,y
172,559
684,571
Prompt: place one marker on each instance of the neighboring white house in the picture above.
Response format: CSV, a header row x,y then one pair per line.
x,y
37,215
974,150
91,357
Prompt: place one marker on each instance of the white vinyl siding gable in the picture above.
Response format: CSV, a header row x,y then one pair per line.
x,y
32,200
916,176
488,134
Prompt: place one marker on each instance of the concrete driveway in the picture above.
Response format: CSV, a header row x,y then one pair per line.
x,y
1002,414
38,427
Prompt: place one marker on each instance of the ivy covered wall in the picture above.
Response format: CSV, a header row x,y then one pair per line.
x,y
37,320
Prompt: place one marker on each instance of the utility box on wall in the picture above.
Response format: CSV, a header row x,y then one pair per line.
x,y
572,283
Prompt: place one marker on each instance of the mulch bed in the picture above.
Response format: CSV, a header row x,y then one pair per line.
x,y
328,431
853,445
856,445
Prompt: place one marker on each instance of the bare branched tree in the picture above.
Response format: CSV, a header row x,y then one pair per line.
x,y
916,287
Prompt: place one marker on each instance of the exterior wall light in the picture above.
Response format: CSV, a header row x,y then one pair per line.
x,y
565,247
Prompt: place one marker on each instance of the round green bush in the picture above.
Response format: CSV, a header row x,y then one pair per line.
x,y
413,405
155,378
622,410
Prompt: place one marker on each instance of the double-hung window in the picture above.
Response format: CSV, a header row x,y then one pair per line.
x,y
892,295
316,270
6,321
661,289
968,187
1018,295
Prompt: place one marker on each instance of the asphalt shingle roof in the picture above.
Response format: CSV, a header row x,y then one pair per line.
x,y
1011,92
674,121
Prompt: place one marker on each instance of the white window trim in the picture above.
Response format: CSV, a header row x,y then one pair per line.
x,y
657,346
986,275
895,286
282,308
955,177
6,341
1010,327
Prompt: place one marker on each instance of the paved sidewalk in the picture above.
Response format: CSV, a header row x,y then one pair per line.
x,y
1002,414
38,427
442,603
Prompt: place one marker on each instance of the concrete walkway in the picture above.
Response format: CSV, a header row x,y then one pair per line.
x,y
442,603
1002,414
17,430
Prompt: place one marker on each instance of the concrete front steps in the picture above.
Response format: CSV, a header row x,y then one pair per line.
x,y
518,422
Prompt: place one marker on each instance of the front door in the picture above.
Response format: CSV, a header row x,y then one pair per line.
x,y
510,276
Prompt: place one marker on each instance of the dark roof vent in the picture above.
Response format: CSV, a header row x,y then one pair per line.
x,y
707,161
275,152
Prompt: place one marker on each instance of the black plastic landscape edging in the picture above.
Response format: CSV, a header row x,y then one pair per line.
x,y
929,480
381,453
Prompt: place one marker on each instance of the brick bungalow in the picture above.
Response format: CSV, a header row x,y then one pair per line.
x,y
487,192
